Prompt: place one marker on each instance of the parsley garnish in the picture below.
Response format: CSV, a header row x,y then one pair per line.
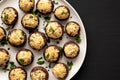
x,y
70,64
50,65
47,56
4,42
51,30
78,39
55,2
61,51
6,16
48,40
35,13
63,12
70,16
9,27
39,58
47,19
12,65
40,61
6,69
21,61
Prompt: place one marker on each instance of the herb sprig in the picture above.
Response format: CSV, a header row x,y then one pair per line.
x,y
63,12
70,64
6,16
12,65
78,39
40,61
51,30
47,56
55,2
21,61
8,68
4,42
47,18
61,51
36,13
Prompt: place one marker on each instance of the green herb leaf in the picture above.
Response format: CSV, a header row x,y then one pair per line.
x,y
55,2
47,56
39,58
35,13
63,12
47,19
70,64
9,27
51,30
48,40
78,39
6,69
4,42
50,65
61,51
12,65
70,16
6,16
21,61
40,62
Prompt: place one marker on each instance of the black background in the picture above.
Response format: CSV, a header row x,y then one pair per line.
x,y
101,19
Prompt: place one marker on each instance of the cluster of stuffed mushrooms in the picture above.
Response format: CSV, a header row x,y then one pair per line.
x,y
38,40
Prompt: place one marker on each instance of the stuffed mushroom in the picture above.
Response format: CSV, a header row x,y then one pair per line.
x,y
26,5
54,30
30,21
52,53
60,71
72,28
39,73
2,33
45,6
25,57
62,12
17,37
37,40
4,57
9,16
71,49
17,73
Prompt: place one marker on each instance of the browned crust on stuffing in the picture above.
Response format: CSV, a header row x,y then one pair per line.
x,y
25,38
4,33
66,8
78,30
47,12
67,70
56,47
40,68
21,69
16,18
44,37
2,49
60,26
32,57
29,27
71,42
29,10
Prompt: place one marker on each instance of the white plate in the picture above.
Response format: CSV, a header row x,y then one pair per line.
x,y
75,17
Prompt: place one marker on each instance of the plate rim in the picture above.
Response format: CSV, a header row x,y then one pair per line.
x,y
84,36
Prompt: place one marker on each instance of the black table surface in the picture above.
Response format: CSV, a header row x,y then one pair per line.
x,y
101,19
